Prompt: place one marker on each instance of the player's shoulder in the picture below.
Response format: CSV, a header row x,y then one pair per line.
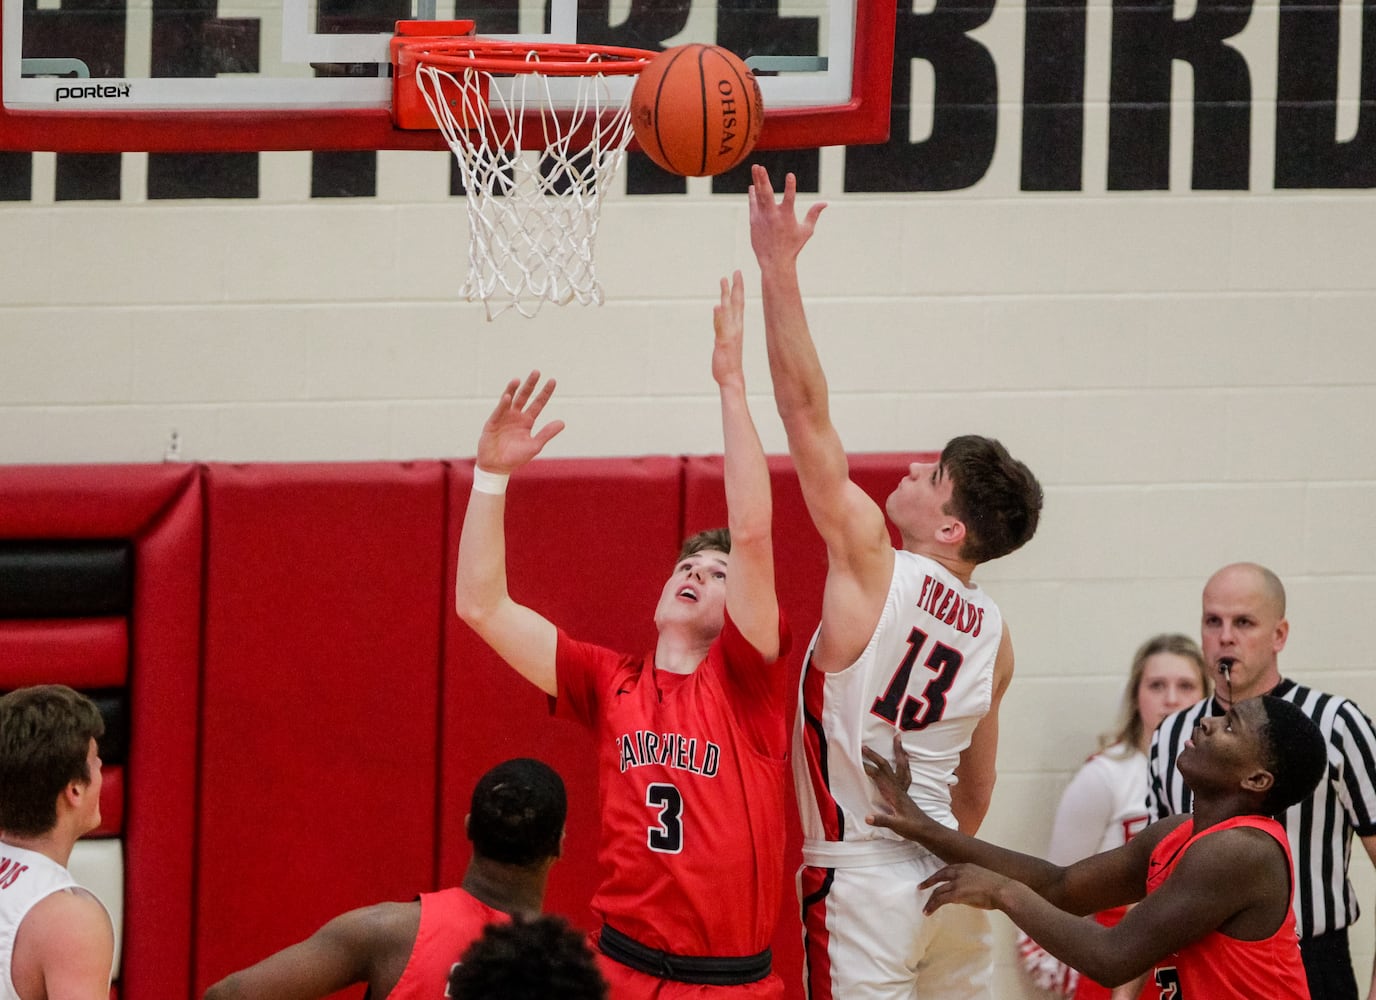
x,y
381,924
69,916
1243,845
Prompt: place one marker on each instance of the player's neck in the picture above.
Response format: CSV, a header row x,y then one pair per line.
x,y
52,845
680,652
513,889
1211,812
961,569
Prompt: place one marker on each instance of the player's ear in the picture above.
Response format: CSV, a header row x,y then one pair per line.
x,y
466,818
1259,781
72,795
952,532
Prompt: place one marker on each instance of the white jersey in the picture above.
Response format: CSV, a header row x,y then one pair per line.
x,y
1103,807
26,878
928,670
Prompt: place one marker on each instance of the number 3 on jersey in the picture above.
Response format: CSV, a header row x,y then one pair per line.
x,y
1168,979
666,836
921,711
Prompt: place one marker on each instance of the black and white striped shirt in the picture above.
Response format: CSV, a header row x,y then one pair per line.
x,y
1320,828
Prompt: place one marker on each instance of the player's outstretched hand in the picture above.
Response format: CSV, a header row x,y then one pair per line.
x,y
968,884
728,320
776,234
509,439
902,815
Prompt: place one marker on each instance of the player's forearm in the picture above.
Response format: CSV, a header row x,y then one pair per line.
x,y
745,472
800,385
229,988
1079,943
480,585
955,847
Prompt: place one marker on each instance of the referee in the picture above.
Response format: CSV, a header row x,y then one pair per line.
x,y
1243,631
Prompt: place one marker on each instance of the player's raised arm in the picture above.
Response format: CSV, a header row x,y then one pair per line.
x,y
509,440
851,524
751,599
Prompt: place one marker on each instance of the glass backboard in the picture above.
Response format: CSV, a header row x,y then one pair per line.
x,y
197,75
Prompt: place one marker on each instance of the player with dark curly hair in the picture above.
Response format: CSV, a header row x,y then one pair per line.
x,y
541,959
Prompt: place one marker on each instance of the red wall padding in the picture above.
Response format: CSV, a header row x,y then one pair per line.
x,y
158,508
160,773
590,543
87,501
111,802
325,595
308,716
82,653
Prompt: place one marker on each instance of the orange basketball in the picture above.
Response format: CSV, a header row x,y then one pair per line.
x,y
697,110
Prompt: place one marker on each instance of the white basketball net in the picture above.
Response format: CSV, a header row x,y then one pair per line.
x,y
532,215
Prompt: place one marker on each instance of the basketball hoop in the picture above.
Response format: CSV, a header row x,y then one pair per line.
x,y
532,214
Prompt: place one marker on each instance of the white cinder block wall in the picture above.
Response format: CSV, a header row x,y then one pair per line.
x,y
1192,375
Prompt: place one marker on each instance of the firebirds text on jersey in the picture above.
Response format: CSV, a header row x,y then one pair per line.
x,y
943,603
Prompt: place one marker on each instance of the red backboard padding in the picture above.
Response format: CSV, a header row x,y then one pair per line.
x,y
590,543
325,596
81,653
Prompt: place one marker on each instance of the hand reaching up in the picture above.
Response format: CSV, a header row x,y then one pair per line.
x,y
509,439
728,319
776,233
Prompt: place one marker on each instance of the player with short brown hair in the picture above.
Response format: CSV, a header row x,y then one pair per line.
x,y
692,736
908,644
56,938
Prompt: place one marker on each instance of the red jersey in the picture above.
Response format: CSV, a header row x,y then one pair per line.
x,y
1218,967
450,920
692,788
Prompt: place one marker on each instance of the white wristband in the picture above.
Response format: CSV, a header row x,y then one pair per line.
x,y
493,483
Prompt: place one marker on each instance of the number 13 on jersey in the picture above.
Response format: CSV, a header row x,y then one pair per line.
x,y
910,712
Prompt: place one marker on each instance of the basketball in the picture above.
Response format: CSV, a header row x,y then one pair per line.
x,y
697,110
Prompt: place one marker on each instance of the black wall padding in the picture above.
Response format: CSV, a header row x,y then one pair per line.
x,y
113,705
114,709
59,579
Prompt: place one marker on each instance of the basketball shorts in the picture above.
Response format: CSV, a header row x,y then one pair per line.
x,y
868,939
